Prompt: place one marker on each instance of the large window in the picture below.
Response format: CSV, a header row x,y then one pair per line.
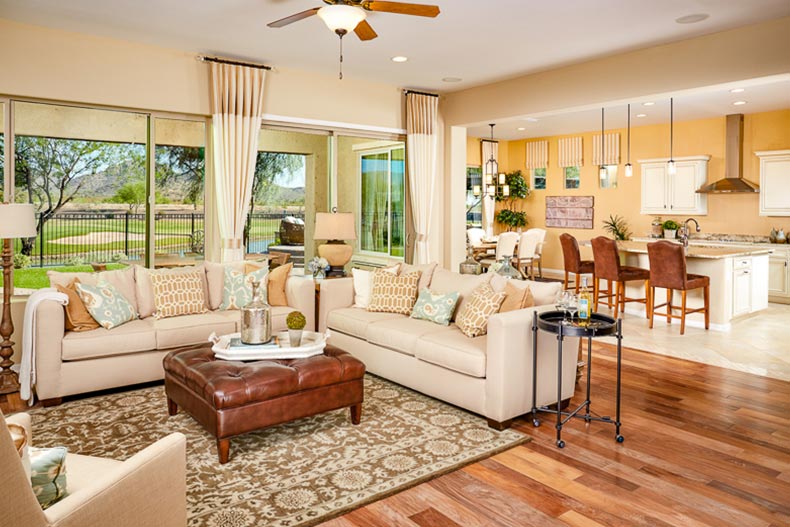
x,y
382,201
572,177
538,177
474,204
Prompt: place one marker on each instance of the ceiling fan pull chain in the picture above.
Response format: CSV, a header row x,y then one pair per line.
x,y
341,57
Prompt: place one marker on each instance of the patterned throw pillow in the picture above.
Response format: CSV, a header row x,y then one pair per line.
x,y
472,318
393,294
106,304
436,307
48,474
237,291
178,293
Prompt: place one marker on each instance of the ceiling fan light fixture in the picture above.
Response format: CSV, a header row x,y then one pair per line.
x,y
341,18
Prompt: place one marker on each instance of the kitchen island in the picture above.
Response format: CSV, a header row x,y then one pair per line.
x,y
738,281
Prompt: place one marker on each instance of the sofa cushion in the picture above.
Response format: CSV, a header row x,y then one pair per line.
x,y
191,329
473,316
393,294
121,279
426,273
516,297
445,281
177,294
435,307
275,284
107,304
237,291
48,474
132,337
78,318
453,350
363,284
354,321
215,277
543,293
144,288
84,470
399,334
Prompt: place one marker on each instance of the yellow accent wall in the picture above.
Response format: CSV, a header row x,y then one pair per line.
x,y
732,214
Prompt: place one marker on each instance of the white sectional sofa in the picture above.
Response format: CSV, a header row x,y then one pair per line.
x,y
489,375
70,362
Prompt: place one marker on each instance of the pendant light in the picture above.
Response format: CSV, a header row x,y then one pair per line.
x,y
629,168
496,183
602,169
342,19
671,168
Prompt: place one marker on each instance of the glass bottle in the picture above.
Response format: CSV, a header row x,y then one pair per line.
x,y
256,318
470,265
585,302
508,271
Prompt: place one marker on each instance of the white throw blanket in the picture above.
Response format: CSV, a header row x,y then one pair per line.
x,y
27,367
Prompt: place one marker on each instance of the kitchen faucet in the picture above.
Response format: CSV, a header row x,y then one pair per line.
x,y
684,231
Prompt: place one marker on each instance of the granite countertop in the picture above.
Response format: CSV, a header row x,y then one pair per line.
x,y
720,239
698,252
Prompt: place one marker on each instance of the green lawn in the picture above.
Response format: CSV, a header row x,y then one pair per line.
x,y
36,277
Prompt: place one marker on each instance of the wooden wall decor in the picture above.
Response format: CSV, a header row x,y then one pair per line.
x,y
570,212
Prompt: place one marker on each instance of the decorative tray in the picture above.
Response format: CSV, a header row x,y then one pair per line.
x,y
228,347
599,325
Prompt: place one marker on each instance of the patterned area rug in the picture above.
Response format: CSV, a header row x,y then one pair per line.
x,y
297,474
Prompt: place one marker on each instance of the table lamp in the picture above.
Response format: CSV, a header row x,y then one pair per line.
x,y
335,227
17,220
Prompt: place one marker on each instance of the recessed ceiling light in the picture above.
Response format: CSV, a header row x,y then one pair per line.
x,y
531,119
452,79
648,103
399,58
737,90
692,19
739,103
641,115
521,129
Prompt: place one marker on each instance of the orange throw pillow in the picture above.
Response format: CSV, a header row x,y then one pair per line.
x,y
276,285
78,318
516,298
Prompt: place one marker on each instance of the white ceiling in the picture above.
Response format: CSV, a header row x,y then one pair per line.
x,y
761,95
477,40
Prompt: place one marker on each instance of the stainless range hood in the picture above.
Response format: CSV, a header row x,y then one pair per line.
x,y
733,181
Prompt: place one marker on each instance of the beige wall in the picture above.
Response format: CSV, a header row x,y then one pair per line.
x,y
733,214
53,64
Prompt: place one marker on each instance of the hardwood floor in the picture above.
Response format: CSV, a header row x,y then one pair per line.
x,y
703,446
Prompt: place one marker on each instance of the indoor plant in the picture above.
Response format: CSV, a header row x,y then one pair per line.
x,y
318,267
617,227
519,190
296,323
670,228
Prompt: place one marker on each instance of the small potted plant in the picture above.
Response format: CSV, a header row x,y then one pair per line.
x,y
318,267
670,229
296,323
617,227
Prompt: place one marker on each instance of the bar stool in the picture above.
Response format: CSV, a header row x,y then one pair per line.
x,y
668,270
607,267
573,261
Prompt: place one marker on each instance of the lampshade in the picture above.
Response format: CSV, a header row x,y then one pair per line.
x,y
340,16
17,220
334,225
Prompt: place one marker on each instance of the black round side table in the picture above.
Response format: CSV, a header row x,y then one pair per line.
x,y
599,325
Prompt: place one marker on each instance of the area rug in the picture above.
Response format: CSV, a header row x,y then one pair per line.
x,y
296,474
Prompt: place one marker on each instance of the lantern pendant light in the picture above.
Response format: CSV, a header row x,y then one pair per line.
x,y
671,168
495,182
629,168
602,168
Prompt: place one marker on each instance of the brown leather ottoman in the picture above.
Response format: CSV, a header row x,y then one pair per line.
x,y
230,398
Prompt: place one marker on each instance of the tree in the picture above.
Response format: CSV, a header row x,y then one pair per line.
x,y
519,190
133,194
181,169
269,165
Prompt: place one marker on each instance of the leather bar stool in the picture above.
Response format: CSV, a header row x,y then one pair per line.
x,y
607,267
573,261
668,271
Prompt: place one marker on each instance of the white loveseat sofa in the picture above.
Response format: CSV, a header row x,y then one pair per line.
x,y
489,375
68,362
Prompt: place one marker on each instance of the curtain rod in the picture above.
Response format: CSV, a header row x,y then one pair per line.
x,y
204,58
406,92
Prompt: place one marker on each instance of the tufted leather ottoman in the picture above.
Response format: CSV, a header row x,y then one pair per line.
x,y
230,398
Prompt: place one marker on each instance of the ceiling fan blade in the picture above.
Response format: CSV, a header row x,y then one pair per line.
x,y
402,8
293,18
364,31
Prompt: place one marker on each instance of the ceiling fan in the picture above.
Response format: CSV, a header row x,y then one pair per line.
x,y
343,16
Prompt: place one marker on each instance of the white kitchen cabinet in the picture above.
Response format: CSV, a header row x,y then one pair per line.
x,y
668,194
774,182
779,276
759,276
741,292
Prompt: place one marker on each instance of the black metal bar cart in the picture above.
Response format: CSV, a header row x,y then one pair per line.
x,y
558,323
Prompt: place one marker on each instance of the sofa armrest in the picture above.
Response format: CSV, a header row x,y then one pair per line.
x,y
49,331
300,293
335,294
22,419
509,365
147,489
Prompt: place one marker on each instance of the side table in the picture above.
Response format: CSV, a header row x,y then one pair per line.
x,y
598,326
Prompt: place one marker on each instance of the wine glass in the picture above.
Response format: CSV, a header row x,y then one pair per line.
x,y
562,305
573,305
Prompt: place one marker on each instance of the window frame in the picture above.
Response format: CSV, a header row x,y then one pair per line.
x,y
532,178
470,192
565,177
611,177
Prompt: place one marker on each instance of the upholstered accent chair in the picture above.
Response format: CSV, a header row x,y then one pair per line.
x,y
527,253
573,262
147,489
505,246
541,234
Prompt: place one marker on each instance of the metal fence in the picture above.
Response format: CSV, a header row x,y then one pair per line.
x,y
72,238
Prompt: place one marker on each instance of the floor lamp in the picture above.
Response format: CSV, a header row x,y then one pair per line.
x,y
17,220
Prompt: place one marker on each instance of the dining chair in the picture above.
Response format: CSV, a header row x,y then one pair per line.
x,y
505,246
277,259
527,253
539,251
573,262
607,267
474,236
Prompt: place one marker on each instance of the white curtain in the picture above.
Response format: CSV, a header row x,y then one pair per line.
x,y
236,109
422,123
489,149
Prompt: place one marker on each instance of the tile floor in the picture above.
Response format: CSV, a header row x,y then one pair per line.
x,y
758,344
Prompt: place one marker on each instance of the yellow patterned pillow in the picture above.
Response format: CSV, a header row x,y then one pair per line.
x,y
393,294
178,293
472,318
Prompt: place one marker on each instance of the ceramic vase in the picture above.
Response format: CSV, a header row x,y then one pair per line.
x,y
295,337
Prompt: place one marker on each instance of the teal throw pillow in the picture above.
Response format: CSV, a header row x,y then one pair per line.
x,y
237,291
436,307
48,474
106,304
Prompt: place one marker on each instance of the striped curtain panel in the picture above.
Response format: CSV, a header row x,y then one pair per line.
x,y
570,152
422,143
611,149
537,154
489,148
236,111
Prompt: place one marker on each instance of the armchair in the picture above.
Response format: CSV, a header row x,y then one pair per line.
x,y
147,489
